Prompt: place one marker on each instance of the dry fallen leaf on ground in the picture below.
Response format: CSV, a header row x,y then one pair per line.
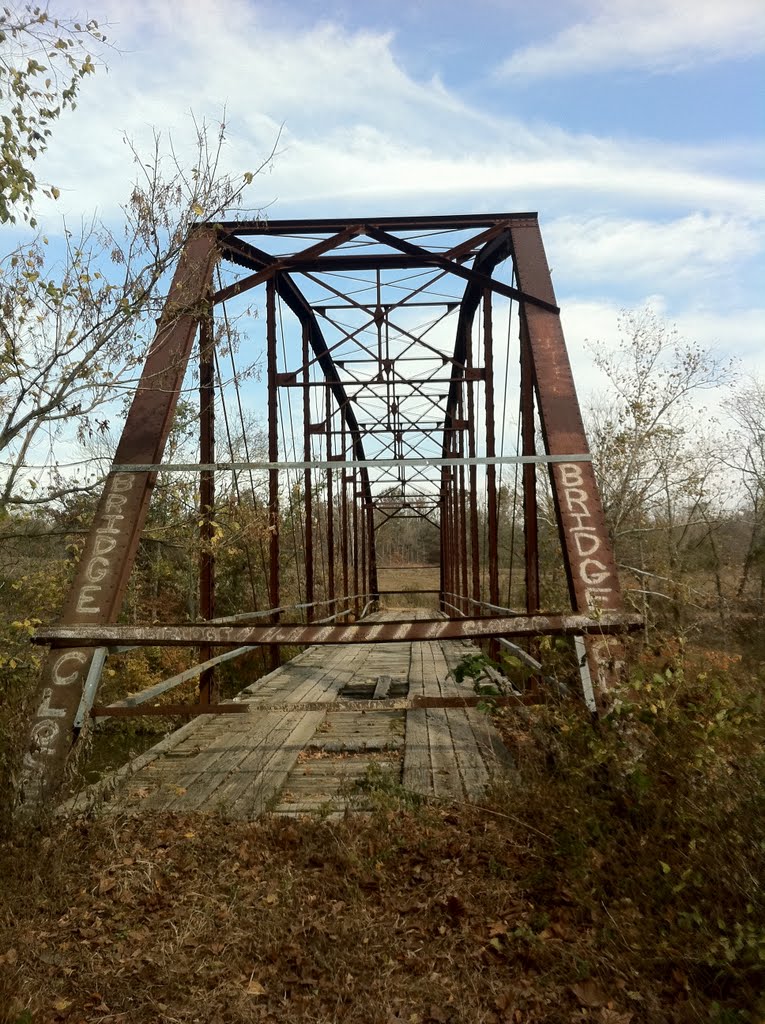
x,y
590,993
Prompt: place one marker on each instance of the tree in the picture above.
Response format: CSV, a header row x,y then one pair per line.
x,y
72,330
72,315
43,61
747,458
653,457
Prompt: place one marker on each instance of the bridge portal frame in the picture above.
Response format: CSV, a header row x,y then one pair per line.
x,y
547,385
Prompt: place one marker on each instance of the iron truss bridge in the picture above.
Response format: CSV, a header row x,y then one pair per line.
x,y
415,369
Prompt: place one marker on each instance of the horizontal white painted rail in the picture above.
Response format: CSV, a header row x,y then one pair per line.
x,y
212,467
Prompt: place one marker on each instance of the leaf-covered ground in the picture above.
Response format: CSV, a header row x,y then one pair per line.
x,y
618,880
413,916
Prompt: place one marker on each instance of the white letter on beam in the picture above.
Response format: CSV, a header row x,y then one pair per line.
x,y
60,680
586,543
593,579
571,474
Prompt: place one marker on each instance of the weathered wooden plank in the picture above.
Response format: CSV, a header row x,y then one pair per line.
x,y
447,784
205,781
494,752
467,755
169,778
230,786
249,801
382,688
357,731
417,773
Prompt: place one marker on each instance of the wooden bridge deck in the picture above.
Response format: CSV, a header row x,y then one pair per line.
x,y
303,760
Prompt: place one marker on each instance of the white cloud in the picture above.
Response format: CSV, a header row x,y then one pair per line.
x,y
352,164
691,250
358,128
655,35
362,135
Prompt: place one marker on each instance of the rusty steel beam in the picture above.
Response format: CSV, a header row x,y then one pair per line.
x,y
206,494
407,254
307,485
274,526
330,508
589,559
168,710
475,570
396,631
328,707
289,380
355,543
463,516
344,540
107,559
277,264
331,225
491,471
364,541
588,554
530,510
467,273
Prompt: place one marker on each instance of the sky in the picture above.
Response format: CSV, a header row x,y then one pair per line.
x,y
633,127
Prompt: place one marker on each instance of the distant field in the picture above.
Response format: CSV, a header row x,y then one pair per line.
x,y
407,580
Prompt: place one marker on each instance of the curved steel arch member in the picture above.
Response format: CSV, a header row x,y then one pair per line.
x,y
453,505
249,256
488,259
588,555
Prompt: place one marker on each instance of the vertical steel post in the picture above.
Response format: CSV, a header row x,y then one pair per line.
x,y
463,524
206,494
356,553
443,573
374,590
344,512
530,511
491,469
330,509
364,538
308,482
457,588
273,456
473,477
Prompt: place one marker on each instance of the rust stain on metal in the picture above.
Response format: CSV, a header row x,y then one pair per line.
x,y
330,708
104,569
355,633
